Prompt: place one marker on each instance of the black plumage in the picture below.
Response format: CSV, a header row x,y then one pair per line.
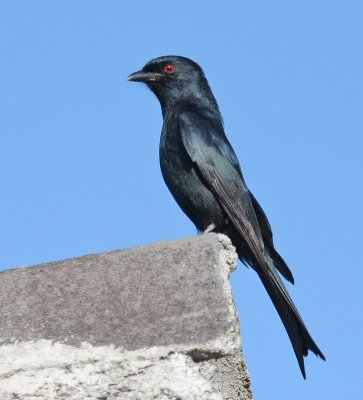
x,y
203,174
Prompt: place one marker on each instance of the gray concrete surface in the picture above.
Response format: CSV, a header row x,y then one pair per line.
x,y
153,322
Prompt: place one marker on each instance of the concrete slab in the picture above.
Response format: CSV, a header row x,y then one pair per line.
x,y
169,304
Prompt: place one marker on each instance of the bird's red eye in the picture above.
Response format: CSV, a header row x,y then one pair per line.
x,y
169,68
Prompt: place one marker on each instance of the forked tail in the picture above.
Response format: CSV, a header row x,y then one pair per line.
x,y
299,335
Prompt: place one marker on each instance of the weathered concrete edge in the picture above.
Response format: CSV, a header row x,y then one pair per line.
x,y
217,365
47,369
232,377
42,369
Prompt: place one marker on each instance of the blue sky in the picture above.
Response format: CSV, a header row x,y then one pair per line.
x,y
79,168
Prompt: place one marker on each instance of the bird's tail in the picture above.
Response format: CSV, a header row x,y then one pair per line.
x,y
299,336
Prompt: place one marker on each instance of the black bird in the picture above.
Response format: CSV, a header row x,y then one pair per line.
x,y
203,174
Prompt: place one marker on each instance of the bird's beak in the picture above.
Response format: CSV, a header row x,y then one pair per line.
x,y
141,76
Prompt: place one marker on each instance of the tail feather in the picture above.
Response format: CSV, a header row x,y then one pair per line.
x,y
299,335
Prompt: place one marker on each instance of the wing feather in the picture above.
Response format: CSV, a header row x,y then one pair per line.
x,y
215,159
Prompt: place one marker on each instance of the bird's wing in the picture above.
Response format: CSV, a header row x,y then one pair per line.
x,y
213,156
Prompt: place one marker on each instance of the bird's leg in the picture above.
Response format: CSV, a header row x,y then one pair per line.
x,y
209,228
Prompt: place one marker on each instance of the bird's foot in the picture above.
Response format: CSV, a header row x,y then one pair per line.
x,y
209,228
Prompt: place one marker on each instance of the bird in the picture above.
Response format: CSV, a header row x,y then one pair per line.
x,y
203,174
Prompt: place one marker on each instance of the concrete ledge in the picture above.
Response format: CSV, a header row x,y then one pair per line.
x,y
154,322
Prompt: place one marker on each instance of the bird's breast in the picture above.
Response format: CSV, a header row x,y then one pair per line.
x,y
184,181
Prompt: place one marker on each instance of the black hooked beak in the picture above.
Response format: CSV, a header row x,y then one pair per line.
x,y
141,76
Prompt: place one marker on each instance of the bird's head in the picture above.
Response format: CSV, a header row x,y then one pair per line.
x,y
174,79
